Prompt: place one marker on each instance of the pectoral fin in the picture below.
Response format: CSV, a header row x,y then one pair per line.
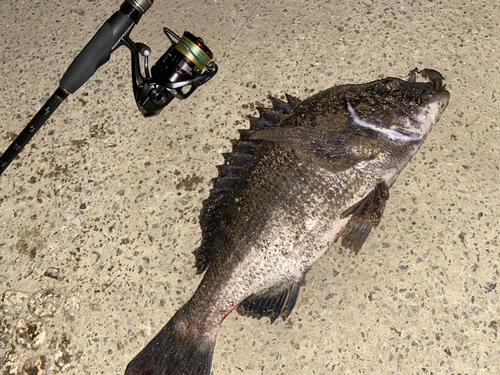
x,y
365,214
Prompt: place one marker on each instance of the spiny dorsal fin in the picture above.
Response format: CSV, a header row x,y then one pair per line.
x,y
366,214
234,167
292,101
280,105
271,304
270,115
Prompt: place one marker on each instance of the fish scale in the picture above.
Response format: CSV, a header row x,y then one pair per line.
x,y
305,175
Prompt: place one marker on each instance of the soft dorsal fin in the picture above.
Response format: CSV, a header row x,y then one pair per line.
x,y
234,167
366,214
272,304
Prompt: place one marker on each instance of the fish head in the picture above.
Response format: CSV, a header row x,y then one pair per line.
x,y
398,109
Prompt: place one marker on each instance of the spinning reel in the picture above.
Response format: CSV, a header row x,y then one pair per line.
x,y
186,63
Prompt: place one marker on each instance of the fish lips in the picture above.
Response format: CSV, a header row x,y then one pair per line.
x,y
422,102
419,123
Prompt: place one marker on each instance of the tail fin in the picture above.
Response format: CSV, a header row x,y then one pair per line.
x,y
178,349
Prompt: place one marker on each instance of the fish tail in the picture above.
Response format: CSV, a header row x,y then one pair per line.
x,y
178,349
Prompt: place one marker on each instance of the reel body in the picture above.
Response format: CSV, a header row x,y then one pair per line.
x,y
187,63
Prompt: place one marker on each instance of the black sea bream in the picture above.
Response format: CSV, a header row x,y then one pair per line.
x,y
306,174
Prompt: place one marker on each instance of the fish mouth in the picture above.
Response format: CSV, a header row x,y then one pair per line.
x,y
441,99
437,101
439,93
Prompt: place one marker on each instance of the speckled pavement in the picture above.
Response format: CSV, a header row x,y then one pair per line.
x,y
99,214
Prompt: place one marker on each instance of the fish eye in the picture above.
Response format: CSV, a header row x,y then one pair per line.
x,y
392,85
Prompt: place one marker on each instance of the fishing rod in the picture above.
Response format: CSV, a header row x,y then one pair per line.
x,y
187,62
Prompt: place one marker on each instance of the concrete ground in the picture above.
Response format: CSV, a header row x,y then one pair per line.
x,y
99,214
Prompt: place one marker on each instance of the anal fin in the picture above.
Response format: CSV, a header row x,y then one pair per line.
x,y
367,213
271,304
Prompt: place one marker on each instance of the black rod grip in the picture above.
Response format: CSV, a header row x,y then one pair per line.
x,y
96,52
29,131
105,41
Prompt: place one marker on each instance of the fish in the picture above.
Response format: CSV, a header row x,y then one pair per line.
x,y
304,176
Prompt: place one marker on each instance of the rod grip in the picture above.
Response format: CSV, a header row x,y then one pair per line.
x,y
96,52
